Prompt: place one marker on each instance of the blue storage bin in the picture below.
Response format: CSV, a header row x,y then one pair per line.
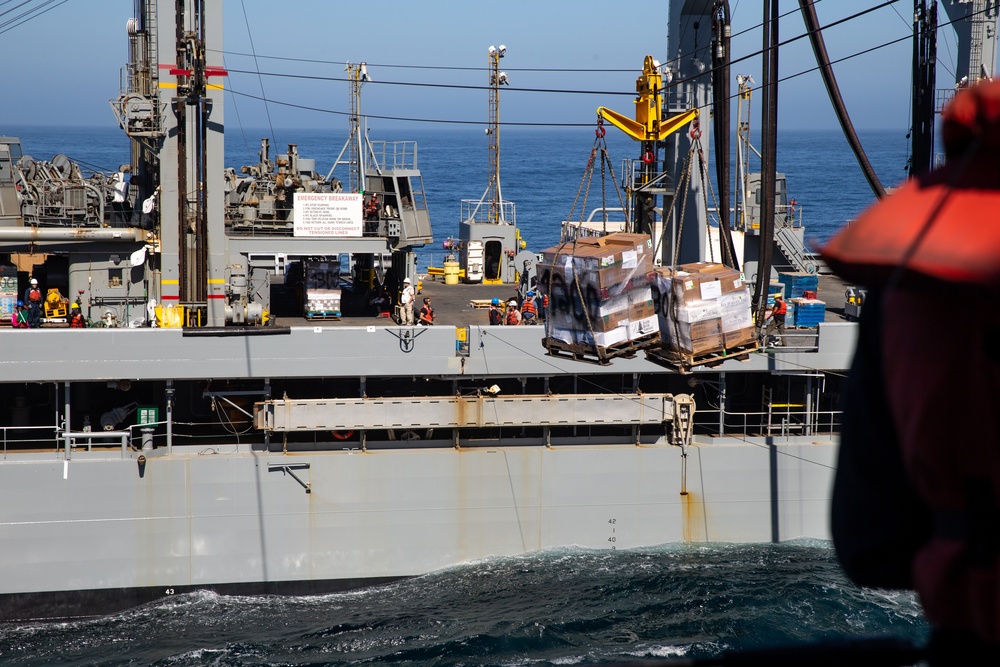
x,y
796,284
808,313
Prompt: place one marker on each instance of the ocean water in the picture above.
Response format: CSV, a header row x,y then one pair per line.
x,y
561,607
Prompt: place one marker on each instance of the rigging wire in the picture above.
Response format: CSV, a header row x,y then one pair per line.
x,y
28,15
267,110
422,84
533,123
454,68
565,91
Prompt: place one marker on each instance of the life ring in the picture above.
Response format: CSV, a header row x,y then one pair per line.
x,y
341,435
648,157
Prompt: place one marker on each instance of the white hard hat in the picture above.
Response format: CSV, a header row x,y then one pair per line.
x,y
406,280
34,281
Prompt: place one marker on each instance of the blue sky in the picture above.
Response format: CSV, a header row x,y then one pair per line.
x,y
67,61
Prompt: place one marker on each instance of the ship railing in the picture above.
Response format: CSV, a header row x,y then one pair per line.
x,y
679,99
394,154
71,438
805,339
477,210
637,176
785,421
786,216
943,97
28,438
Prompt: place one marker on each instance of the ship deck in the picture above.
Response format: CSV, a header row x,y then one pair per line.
x,y
456,305
453,305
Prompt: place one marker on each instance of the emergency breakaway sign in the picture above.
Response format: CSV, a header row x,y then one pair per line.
x,y
327,214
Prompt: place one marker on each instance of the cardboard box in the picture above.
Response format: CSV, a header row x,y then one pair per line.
x,y
694,338
735,310
704,328
697,346
609,322
739,337
641,309
604,338
696,312
643,328
601,261
614,304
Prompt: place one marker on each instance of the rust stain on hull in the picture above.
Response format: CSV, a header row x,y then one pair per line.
x,y
693,524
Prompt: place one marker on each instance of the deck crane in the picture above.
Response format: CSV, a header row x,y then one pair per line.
x,y
650,128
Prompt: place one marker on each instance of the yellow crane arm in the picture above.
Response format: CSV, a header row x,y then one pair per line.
x,y
630,127
675,123
638,131
649,124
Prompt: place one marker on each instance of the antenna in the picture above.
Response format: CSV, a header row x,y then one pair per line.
x,y
358,138
497,78
491,207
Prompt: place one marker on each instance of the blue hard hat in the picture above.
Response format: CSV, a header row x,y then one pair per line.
x,y
495,302
531,294
20,303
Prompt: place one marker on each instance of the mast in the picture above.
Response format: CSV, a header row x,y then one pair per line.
x,y
497,211
357,140
743,149
494,194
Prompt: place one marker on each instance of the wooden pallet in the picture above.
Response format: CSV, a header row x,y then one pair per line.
x,y
480,303
596,354
323,315
685,361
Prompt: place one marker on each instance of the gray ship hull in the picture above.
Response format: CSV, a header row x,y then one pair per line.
x,y
101,532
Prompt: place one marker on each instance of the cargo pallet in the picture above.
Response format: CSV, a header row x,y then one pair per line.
x,y
593,354
323,315
685,361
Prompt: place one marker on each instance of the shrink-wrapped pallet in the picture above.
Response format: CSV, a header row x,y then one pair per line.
x,y
599,290
702,309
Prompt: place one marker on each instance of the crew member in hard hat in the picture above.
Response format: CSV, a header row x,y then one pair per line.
x,y
528,309
426,317
19,317
496,313
916,501
778,313
33,301
406,303
76,320
513,317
